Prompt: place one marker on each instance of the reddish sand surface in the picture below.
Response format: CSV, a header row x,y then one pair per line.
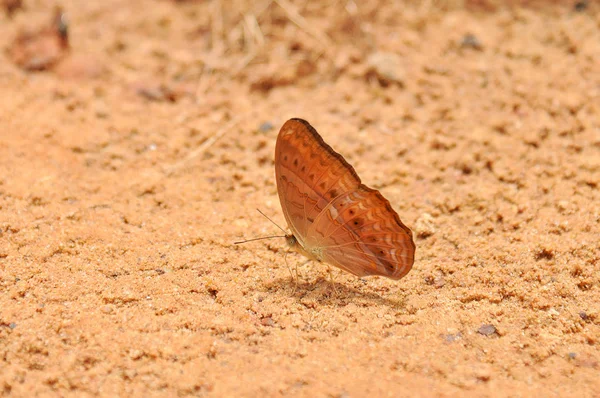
x,y
132,158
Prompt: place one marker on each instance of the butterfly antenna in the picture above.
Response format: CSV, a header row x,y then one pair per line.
x,y
274,223
264,237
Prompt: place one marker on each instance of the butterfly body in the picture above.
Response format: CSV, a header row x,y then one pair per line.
x,y
333,217
315,253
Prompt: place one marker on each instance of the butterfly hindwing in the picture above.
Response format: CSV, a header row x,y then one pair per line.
x,y
362,233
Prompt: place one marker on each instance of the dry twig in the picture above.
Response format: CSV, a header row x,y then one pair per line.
x,y
301,22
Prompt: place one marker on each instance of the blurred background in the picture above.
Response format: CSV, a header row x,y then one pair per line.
x,y
137,139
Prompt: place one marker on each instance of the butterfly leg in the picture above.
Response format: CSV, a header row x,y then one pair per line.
x,y
290,270
331,279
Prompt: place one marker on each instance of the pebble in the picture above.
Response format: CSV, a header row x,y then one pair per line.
x,y
425,226
487,330
387,67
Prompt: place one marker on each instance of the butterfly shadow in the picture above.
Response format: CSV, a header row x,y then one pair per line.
x,y
325,291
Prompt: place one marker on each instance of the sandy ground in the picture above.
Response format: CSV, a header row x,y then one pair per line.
x,y
133,160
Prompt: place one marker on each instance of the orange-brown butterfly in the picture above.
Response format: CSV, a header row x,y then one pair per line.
x,y
333,216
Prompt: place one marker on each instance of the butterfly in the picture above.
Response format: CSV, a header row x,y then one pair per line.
x,y
333,217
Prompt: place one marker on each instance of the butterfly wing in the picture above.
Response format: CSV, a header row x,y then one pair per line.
x,y
309,175
333,216
361,233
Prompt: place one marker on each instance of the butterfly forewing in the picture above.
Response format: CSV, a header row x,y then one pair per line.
x,y
332,215
309,174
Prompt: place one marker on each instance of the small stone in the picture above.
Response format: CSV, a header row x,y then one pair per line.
x,y
157,92
267,321
265,127
487,330
451,338
107,309
471,41
562,205
572,355
544,253
136,354
483,373
212,351
387,67
581,6
12,325
129,374
584,316
425,226
439,281
41,49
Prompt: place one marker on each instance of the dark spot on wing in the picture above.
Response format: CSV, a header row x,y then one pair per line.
x,y
390,267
